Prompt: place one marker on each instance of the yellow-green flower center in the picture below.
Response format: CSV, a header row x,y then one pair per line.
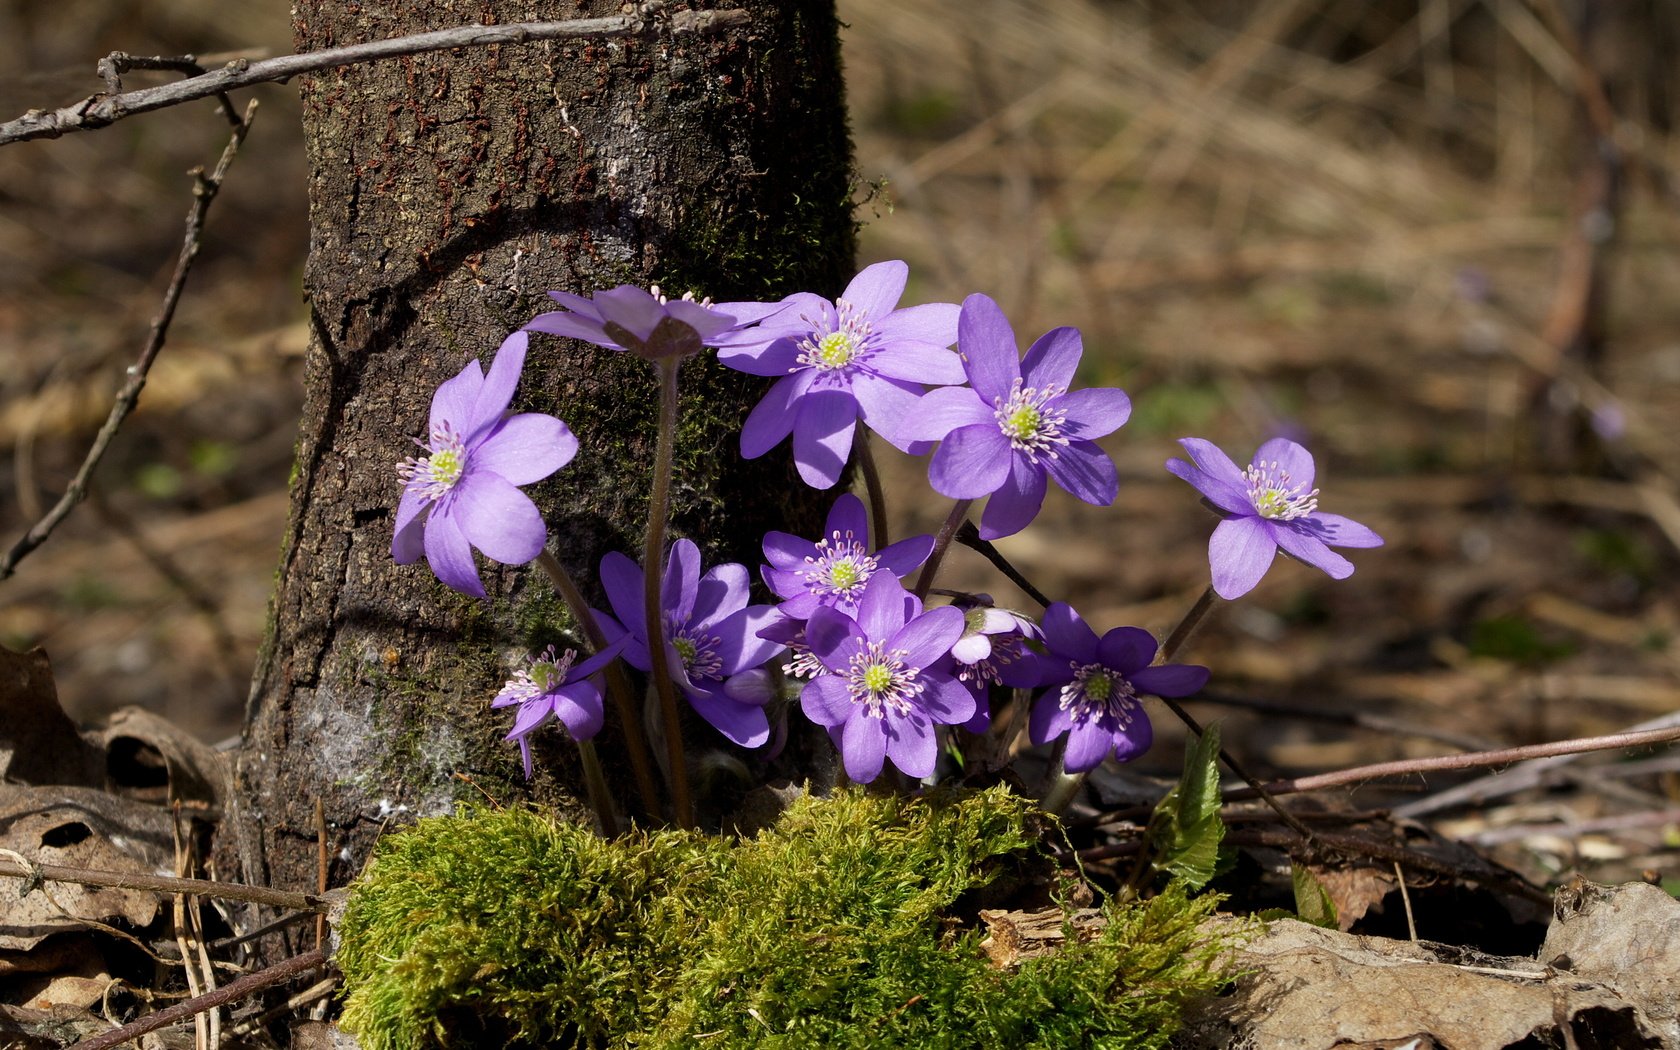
x,y
686,649
877,678
1276,495
1023,423
843,574
1099,687
836,350
447,465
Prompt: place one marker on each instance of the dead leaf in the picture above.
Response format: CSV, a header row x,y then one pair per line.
x,y
1353,889
150,758
1312,989
80,828
38,742
1628,938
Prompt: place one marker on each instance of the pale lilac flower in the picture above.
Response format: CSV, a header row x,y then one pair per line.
x,y
464,493
645,322
1093,689
835,569
556,685
1270,505
712,646
1017,423
881,690
857,356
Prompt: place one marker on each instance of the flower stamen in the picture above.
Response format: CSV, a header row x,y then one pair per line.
x,y
431,477
1097,692
1276,495
879,680
1031,428
840,568
832,346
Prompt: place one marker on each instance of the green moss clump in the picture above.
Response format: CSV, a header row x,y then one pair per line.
x,y
840,926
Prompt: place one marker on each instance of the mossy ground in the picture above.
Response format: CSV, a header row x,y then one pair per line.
x,y
842,925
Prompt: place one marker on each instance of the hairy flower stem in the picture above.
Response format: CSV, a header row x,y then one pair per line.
x,y
877,498
1175,641
1060,786
653,576
1187,626
618,687
941,542
600,796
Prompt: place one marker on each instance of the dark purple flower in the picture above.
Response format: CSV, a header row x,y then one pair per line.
x,y
1094,686
1017,423
881,690
464,494
857,356
1270,505
645,322
992,651
835,569
711,637
554,685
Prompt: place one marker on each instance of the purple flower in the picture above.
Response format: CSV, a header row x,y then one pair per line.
x,y
1096,703
881,690
464,493
645,322
553,685
835,569
856,356
1018,423
992,651
711,637
1270,505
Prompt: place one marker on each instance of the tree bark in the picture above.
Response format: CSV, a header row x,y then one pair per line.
x,y
448,193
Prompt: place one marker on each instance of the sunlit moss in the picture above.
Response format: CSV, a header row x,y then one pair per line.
x,y
849,923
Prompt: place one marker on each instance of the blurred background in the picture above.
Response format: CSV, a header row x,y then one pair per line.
x,y
1438,241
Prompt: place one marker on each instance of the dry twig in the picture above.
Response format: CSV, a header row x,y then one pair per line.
x,y
98,111
205,188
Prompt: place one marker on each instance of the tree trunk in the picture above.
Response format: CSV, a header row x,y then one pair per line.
x,y
448,193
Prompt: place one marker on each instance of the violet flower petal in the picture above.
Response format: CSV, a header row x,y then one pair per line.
x,y
822,436
497,518
1126,649
1173,680
1338,531
911,745
1239,553
526,448
971,462
1053,359
877,288
1291,458
1013,507
1085,471
450,555
1088,743
826,700
772,418
988,342
863,748
1305,547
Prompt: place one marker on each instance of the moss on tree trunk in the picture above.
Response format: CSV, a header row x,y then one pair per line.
x,y
448,193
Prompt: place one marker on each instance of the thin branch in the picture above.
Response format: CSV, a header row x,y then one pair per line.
x,y
1471,760
99,111
33,874
234,991
969,537
204,192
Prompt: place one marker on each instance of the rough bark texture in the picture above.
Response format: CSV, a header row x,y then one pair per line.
x,y
448,192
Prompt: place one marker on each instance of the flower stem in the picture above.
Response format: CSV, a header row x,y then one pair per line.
x,y
653,576
941,543
1187,626
618,686
600,796
877,498
1175,641
1060,786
